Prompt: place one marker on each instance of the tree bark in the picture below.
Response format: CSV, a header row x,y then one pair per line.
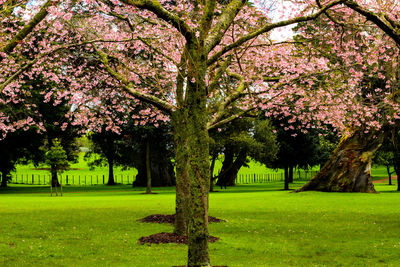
x,y
179,122
286,178
389,174
110,171
349,166
148,169
291,174
4,179
397,171
213,159
54,178
230,168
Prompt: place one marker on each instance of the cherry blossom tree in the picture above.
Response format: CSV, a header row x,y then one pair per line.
x,y
192,60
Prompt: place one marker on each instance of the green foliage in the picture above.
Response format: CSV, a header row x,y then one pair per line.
x,y
56,157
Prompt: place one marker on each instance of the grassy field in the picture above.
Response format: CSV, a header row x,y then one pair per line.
x,y
97,226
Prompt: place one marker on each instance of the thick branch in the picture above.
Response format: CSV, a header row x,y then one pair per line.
x,y
229,119
225,20
221,70
207,18
32,62
28,28
230,99
267,28
128,87
378,19
174,20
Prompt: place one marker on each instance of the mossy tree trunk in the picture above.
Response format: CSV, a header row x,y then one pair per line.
x,y
179,121
349,166
189,121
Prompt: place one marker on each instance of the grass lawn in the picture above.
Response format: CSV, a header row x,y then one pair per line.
x,y
97,226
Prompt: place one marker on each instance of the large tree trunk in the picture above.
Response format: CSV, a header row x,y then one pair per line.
x,y
230,168
349,166
179,121
199,168
148,169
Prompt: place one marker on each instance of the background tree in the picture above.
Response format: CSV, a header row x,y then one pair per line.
x,y
385,157
21,145
296,149
56,158
153,155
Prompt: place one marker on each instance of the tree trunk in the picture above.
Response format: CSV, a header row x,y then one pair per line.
x,y
110,171
199,168
4,179
230,170
213,159
182,174
291,174
148,169
349,166
389,174
54,178
286,178
395,138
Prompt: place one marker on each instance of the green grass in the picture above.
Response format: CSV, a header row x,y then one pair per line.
x,y
97,226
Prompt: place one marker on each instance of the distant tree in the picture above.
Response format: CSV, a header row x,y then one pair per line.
x,y
17,146
385,157
153,155
243,138
106,149
56,157
296,149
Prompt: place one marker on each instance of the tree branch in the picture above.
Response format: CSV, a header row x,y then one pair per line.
x,y
267,28
229,119
225,20
128,87
231,98
28,28
174,20
378,19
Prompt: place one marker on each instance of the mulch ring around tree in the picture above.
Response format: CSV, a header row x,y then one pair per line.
x,y
165,238
162,218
